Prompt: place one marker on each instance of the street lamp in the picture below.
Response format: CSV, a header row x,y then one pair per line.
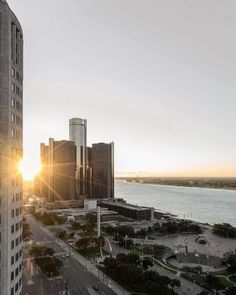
x,y
126,237
198,257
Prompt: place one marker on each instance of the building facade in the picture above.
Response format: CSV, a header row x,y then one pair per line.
x,y
11,150
128,210
56,181
78,134
102,163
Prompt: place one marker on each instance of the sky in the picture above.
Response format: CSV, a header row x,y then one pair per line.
x,y
157,77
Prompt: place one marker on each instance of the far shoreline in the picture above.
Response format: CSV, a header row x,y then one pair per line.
x,y
177,185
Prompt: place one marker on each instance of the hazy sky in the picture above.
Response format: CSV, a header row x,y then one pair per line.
x,y
157,77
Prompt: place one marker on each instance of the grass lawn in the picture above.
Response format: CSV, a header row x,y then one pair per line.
x,y
225,282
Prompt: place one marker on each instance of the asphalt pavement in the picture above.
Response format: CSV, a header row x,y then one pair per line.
x,y
79,280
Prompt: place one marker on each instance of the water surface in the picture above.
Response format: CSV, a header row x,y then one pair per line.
x,y
199,204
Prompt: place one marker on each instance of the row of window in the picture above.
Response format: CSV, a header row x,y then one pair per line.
x,y
16,75
15,273
15,134
14,198
17,286
16,105
16,228
16,45
17,197
16,89
16,120
16,257
17,212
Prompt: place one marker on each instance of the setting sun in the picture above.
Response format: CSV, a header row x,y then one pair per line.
x,y
28,169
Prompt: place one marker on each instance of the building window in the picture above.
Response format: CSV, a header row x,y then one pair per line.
x,y
13,103
13,87
13,72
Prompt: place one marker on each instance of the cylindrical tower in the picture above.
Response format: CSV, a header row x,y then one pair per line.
x,y
78,134
11,150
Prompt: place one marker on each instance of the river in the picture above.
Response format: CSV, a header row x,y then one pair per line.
x,y
199,204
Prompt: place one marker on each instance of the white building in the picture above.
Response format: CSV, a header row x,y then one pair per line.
x,y
11,100
90,204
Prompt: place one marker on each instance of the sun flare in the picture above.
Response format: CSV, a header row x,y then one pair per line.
x,y
28,169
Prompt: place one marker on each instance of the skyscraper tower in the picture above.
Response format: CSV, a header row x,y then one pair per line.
x,y
11,131
78,134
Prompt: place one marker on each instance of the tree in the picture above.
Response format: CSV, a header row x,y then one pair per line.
x,y
214,283
62,234
110,230
224,230
175,283
40,251
127,243
231,290
36,250
231,261
83,243
141,233
76,225
48,251
26,232
87,228
100,241
49,265
125,231
146,263
91,218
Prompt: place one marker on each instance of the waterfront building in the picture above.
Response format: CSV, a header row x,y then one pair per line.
x,y
102,163
11,150
57,178
78,134
128,210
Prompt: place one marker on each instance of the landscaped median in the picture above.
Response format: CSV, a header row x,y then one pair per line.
x,y
44,258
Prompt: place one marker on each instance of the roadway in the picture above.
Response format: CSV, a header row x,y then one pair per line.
x,y
80,281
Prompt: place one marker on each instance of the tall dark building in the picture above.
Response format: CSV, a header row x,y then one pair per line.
x,y
57,178
89,173
102,163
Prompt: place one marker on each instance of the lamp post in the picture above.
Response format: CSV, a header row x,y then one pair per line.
x,y
126,237
198,257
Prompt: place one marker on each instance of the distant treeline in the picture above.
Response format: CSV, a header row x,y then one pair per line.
x,y
220,183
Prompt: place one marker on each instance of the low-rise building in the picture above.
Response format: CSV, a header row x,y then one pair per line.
x,y
128,210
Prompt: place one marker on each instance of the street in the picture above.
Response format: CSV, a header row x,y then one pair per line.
x,y
80,281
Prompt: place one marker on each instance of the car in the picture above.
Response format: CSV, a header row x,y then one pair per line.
x,y
95,287
67,255
63,256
